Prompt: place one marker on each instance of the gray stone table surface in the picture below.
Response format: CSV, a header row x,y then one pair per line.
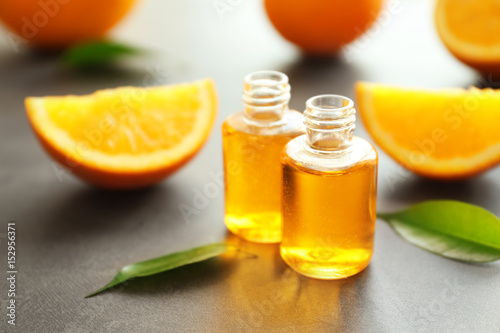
x,y
72,238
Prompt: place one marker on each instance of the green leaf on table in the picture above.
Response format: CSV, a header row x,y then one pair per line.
x,y
165,263
451,229
98,53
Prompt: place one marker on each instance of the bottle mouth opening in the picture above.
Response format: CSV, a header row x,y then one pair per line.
x,y
266,96
330,121
329,106
266,78
266,88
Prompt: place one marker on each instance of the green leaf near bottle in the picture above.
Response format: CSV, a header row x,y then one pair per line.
x,y
165,263
451,229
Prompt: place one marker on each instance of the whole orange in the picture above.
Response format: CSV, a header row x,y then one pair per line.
x,y
322,26
58,23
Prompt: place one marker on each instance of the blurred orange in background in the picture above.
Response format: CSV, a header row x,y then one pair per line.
x,y
471,32
59,23
322,27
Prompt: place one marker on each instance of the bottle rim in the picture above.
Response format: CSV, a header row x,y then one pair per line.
x,y
266,78
319,104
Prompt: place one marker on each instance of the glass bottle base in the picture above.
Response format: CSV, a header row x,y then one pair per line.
x,y
258,227
326,263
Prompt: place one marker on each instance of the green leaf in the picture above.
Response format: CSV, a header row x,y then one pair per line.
x,y
95,54
165,263
451,229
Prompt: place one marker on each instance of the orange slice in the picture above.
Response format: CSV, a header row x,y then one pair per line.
x,y
471,31
126,137
443,134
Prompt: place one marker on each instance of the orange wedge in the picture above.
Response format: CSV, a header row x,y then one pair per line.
x,y
471,32
126,137
443,134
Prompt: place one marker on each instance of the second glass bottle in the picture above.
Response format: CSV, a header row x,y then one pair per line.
x,y
252,142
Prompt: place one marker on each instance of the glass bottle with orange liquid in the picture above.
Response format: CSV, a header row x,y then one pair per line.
x,y
329,193
252,142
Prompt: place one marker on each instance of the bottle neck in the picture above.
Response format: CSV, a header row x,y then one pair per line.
x,y
330,121
266,96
